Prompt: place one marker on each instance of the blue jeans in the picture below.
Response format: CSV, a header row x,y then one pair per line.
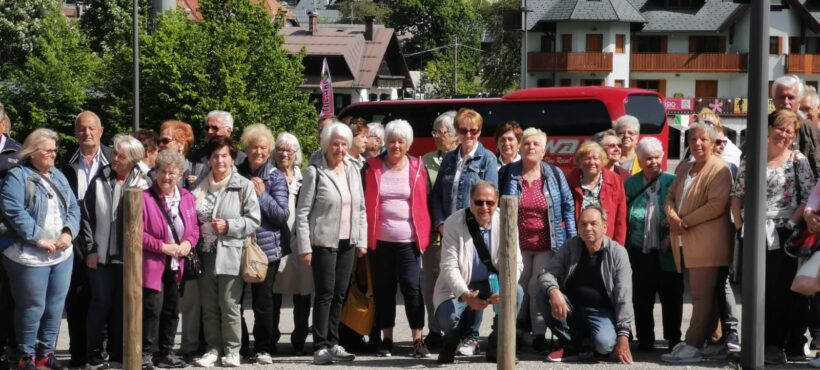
x,y
582,323
39,296
457,319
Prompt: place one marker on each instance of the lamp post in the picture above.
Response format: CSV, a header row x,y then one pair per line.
x,y
136,56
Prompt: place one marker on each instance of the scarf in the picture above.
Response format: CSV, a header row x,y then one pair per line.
x,y
652,220
209,185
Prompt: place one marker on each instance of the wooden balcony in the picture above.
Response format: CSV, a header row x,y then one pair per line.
x,y
569,62
688,63
802,63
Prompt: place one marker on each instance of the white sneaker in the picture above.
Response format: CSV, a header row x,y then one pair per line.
x,y
264,358
682,353
322,357
815,362
468,347
231,360
340,354
207,360
717,351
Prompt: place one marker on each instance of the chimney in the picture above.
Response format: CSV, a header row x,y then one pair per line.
x,y
368,27
314,22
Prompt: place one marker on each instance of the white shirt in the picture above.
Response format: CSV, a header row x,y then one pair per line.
x,y
2,142
462,159
87,172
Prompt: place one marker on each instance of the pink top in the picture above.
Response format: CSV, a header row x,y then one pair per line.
x,y
814,198
344,188
396,221
533,233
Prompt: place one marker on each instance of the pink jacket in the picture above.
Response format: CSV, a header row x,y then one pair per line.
x,y
155,233
418,200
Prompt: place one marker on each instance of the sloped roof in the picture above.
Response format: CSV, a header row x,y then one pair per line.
x,y
582,10
273,7
809,10
713,16
363,58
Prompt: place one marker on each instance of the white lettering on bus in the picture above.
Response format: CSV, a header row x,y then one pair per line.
x,y
562,146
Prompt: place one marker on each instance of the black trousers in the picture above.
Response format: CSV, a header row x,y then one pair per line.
x,y
265,334
301,317
8,343
105,310
648,281
331,276
786,311
397,263
76,307
160,316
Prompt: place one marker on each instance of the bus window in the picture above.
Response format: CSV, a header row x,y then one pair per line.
x,y
650,114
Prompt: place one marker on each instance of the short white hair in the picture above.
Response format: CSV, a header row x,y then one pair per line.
x,y
708,129
649,146
287,140
789,81
224,118
399,128
811,93
336,129
532,131
130,147
375,129
628,121
446,120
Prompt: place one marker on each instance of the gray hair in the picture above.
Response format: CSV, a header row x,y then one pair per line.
x,y
596,207
399,128
375,129
446,120
599,137
532,131
131,147
35,140
223,117
288,141
170,158
336,129
82,114
708,129
482,183
789,81
628,121
811,93
648,146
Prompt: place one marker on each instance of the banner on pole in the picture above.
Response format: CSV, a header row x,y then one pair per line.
x,y
326,86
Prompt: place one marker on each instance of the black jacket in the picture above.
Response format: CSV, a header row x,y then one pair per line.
x,y
70,167
8,156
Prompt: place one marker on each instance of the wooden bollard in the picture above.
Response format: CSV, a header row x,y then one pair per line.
x,y
132,279
507,282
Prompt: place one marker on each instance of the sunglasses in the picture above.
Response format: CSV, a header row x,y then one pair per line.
x,y
213,128
472,131
482,203
721,141
708,122
165,141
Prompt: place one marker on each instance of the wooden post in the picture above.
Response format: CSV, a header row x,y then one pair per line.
x,y
132,279
508,282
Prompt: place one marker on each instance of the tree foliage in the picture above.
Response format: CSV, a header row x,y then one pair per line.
x,y
21,23
502,59
354,11
108,23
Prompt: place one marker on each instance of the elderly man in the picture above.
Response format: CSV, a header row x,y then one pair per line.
x,y
219,123
469,260
80,170
375,139
588,292
8,146
787,93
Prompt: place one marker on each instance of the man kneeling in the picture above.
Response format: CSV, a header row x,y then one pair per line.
x,y
588,292
469,257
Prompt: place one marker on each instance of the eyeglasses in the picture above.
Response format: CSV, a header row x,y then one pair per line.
x,y
482,203
212,128
628,133
165,140
440,133
284,151
171,174
721,141
784,132
611,146
472,131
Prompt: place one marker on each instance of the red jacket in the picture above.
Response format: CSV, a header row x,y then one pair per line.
x,y
418,200
613,200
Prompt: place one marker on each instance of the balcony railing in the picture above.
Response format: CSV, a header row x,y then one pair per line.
x,y
699,62
569,62
802,63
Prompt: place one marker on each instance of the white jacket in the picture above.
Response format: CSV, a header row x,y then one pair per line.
x,y
457,250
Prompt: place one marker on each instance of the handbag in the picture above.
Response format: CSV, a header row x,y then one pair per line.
x,y
193,266
359,309
801,242
254,264
806,280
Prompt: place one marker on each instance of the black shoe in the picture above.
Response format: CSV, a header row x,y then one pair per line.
x,y
447,355
147,361
170,361
540,344
385,348
434,341
646,346
96,362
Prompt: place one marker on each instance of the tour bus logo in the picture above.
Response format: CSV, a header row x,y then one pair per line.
x,y
562,146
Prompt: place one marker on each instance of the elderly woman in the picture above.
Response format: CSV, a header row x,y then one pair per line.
x,y
180,136
331,222
273,235
729,152
507,141
294,278
460,169
789,181
697,213
359,146
611,142
228,213
543,191
653,267
102,235
170,232
43,213
398,227
592,183
628,129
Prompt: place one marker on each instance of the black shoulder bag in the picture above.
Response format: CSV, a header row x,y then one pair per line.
x,y
193,266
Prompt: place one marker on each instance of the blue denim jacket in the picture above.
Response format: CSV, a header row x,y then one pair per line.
x,y
482,166
561,205
26,219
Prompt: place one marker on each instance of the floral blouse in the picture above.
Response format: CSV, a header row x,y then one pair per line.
x,y
782,186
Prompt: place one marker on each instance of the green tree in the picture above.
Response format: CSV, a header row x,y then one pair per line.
x,y
21,23
55,82
502,59
108,23
354,11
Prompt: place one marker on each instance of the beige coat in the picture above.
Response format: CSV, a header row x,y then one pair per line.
x,y
707,241
457,250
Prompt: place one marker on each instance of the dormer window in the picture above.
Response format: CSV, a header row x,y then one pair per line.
x,y
684,4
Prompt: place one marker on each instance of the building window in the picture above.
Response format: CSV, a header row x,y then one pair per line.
x,y
705,44
649,44
620,40
619,83
545,82
648,84
683,4
775,45
566,82
592,82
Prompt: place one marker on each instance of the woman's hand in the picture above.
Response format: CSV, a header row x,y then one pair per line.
x,y
258,185
676,225
184,249
305,258
170,249
220,226
48,244
91,260
64,241
361,252
738,223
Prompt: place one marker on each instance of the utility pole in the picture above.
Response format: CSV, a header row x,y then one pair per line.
x,y
455,66
523,76
136,56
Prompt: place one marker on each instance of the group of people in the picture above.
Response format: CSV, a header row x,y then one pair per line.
x,y
596,244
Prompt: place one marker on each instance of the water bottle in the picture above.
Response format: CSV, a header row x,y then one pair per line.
x,y
494,288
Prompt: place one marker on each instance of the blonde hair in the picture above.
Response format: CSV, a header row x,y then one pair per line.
x,y
532,131
588,147
707,114
471,115
35,140
255,133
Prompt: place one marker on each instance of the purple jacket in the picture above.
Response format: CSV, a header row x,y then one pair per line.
x,y
155,232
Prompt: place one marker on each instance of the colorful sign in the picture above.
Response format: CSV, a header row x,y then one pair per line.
x,y
326,86
679,103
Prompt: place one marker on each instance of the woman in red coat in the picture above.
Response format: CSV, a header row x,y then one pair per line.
x,y
592,183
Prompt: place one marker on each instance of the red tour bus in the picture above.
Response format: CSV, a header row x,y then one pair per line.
x,y
569,115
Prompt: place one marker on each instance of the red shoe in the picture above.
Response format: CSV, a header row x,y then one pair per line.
x,y
26,363
48,362
561,354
